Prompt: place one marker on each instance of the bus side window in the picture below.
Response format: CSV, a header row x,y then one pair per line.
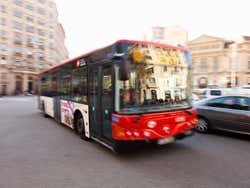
x,y
79,85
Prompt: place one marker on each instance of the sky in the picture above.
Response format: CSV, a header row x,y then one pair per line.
x,y
91,24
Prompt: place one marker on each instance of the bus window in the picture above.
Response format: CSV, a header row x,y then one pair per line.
x,y
79,85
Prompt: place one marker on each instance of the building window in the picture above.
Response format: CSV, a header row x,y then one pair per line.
x,y
2,21
18,61
248,80
40,32
41,1
165,69
17,14
29,7
30,29
215,65
29,64
2,8
51,15
18,39
17,25
29,53
51,4
40,54
17,50
41,11
40,22
248,65
31,41
29,18
17,2
40,65
4,76
202,82
3,33
158,33
51,36
203,65
3,47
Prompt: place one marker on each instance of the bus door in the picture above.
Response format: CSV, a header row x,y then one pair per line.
x,y
100,101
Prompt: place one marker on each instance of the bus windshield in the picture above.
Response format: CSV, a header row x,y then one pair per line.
x,y
159,81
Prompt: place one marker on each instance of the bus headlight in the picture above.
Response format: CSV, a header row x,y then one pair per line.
x,y
151,124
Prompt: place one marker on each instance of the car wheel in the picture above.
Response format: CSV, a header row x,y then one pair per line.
x,y
202,125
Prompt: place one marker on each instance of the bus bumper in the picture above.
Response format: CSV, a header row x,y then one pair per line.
x,y
164,127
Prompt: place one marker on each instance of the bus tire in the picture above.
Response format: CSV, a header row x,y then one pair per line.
x,y
43,110
80,128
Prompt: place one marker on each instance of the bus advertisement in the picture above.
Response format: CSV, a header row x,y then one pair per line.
x,y
126,92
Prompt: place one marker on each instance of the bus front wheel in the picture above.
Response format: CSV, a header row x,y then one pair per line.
x,y
79,126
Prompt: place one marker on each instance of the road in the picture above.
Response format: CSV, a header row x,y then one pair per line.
x,y
37,152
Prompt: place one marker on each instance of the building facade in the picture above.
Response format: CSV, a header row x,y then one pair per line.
x,y
31,39
173,35
218,62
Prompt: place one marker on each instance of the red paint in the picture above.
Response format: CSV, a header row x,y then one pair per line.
x,y
137,125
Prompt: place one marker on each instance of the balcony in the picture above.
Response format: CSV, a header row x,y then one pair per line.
x,y
18,41
17,54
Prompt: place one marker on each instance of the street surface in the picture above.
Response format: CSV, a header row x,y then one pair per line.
x,y
37,152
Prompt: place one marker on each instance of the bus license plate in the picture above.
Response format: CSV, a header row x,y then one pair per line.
x,y
165,140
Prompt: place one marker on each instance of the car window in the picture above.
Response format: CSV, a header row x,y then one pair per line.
x,y
242,103
222,102
215,92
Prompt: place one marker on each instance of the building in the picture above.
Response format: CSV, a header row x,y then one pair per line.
x,y
218,62
31,39
174,35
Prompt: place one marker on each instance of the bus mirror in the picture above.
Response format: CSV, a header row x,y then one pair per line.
x,y
122,63
124,70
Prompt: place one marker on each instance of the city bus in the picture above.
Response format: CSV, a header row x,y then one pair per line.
x,y
125,92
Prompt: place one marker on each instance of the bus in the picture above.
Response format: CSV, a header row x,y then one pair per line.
x,y
125,92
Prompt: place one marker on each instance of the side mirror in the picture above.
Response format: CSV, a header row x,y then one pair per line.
x,y
124,71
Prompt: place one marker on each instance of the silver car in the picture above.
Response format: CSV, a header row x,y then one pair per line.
x,y
229,113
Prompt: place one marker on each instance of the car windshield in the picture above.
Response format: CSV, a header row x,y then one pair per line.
x,y
159,81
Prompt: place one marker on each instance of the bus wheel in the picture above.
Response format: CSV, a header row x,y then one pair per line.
x,y
79,125
43,110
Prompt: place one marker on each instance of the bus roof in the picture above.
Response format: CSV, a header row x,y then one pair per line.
x,y
146,43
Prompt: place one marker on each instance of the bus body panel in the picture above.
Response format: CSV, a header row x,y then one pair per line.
x,y
48,103
153,125
69,108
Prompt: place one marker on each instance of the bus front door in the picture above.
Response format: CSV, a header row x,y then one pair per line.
x,y
100,102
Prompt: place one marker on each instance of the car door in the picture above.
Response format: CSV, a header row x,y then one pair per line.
x,y
220,112
242,114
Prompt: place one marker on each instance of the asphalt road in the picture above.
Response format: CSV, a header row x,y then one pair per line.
x,y
36,152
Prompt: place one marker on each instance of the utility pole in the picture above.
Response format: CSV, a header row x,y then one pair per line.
x,y
233,65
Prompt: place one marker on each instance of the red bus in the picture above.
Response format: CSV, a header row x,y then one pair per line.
x,y
128,91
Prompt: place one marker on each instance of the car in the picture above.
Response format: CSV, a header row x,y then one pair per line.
x,y
209,93
229,113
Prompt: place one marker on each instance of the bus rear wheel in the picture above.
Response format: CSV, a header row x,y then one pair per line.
x,y
79,126
43,111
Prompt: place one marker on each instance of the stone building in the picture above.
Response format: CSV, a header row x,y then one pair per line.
x,y
31,39
218,62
